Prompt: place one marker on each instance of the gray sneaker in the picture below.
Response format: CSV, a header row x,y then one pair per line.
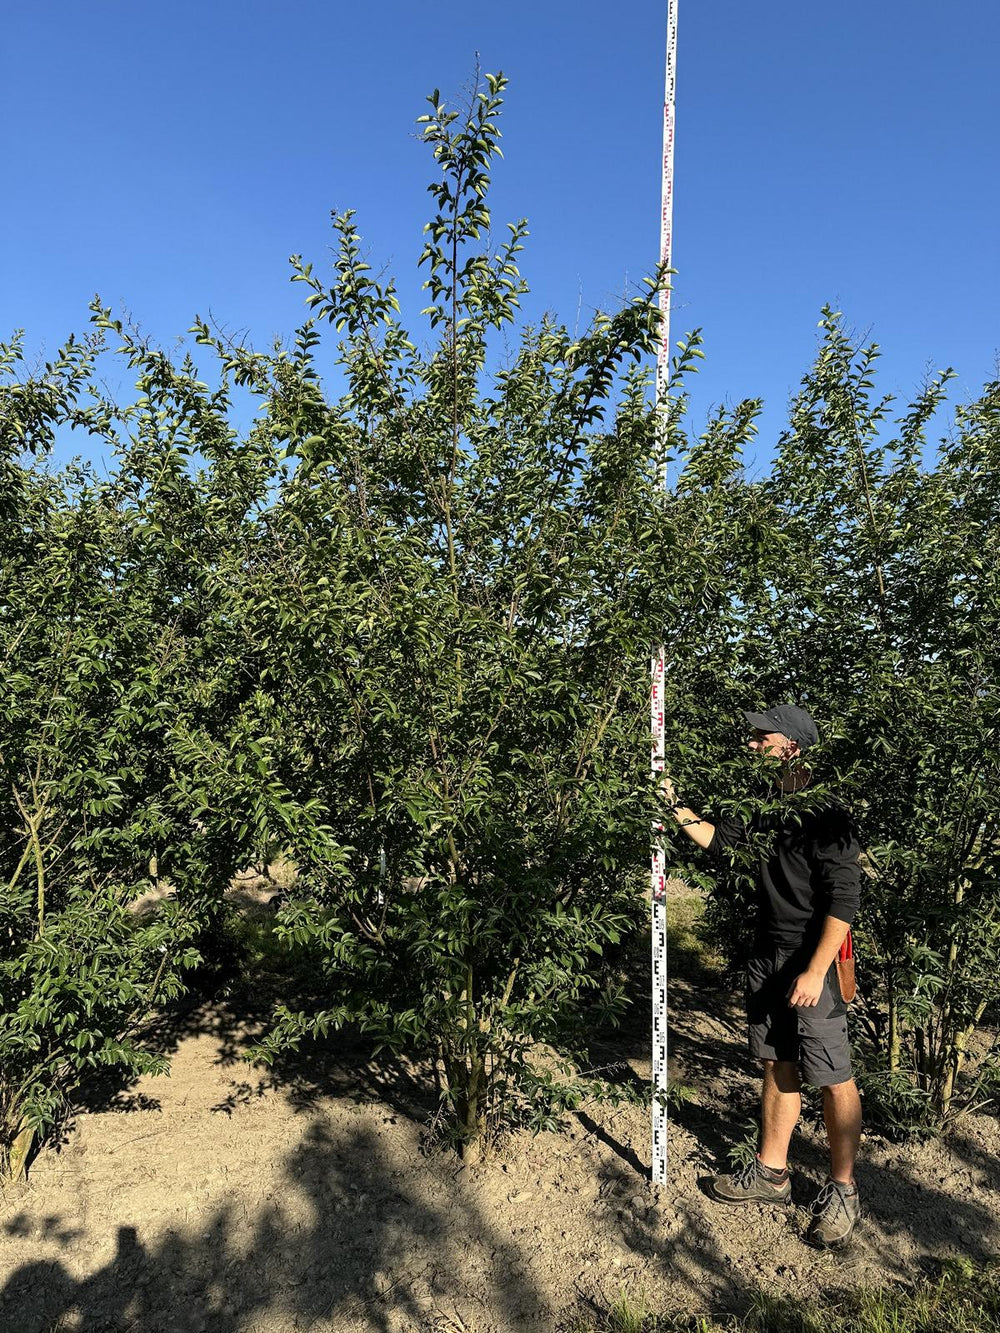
x,y
836,1211
749,1185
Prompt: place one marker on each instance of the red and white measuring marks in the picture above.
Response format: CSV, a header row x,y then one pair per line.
x,y
658,871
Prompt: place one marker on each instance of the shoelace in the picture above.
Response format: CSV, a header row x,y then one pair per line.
x,y
828,1199
746,1175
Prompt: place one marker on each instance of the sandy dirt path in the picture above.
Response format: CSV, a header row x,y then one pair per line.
x,y
225,1200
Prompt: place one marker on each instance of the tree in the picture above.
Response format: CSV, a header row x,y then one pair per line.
x,y
404,633
467,574
124,747
873,599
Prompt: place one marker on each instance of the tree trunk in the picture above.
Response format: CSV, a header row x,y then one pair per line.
x,y
467,1077
469,1102
920,1050
895,1041
955,1058
20,1151
946,1087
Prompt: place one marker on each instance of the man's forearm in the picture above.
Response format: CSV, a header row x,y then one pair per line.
x,y
698,830
834,934
807,988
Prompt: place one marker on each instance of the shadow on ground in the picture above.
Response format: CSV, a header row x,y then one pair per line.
x,y
341,1065
347,1260
348,1242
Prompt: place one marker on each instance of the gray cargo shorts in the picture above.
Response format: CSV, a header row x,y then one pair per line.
x,y
814,1037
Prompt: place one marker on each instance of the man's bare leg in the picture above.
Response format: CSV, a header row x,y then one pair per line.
x,y
780,1105
842,1116
767,1179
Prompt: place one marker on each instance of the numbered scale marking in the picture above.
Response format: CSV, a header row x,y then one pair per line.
x,y
658,869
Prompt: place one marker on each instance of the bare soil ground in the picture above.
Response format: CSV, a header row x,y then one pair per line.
x,y
226,1199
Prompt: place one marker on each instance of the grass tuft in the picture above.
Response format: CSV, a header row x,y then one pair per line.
x,y
628,1314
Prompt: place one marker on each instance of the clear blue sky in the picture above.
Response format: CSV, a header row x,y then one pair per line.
x,y
171,157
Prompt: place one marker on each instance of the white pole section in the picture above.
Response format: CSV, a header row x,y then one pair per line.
x,y
659,877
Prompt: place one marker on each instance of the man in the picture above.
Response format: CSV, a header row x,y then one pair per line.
x,y
808,887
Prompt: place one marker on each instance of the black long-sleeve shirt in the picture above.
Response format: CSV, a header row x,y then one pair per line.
x,y
807,870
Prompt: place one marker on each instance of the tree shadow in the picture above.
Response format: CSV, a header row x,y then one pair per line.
x,y
976,1157
918,1209
627,1154
347,1245
902,1203
341,1065
730,1256
353,1250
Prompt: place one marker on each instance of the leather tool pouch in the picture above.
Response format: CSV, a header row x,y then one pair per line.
x,y
845,970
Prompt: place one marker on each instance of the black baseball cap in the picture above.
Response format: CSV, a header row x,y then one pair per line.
x,y
789,720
